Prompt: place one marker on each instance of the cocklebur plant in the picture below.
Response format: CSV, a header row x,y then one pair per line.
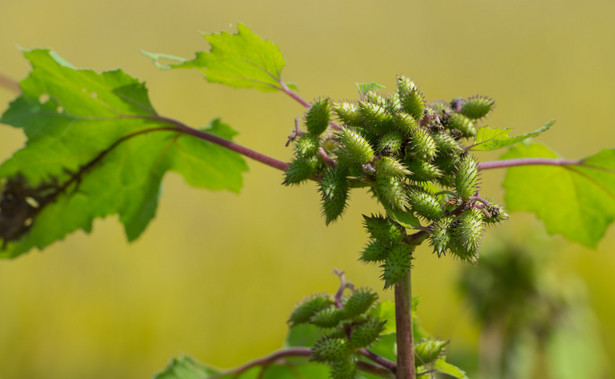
x,y
418,158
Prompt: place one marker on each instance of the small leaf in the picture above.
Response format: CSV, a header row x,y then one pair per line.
x,y
364,88
185,367
441,365
241,60
488,139
577,201
407,219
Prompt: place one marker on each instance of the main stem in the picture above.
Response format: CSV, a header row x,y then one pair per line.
x,y
403,318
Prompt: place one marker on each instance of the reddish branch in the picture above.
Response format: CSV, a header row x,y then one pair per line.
x,y
300,352
526,162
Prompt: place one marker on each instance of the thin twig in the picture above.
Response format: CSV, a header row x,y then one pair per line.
x,y
325,157
245,151
295,96
343,285
378,359
479,199
269,359
526,162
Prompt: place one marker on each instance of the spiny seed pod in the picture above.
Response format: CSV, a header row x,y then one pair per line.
x,y
390,144
423,171
330,349
359,302
382,229
388,166
447,164
328,317
421,146
405,123
354,148
334,192
440,236
446,145
348,113
374,116
304,311
376,98
344,369
462,123
394,103
414,103
302,168
367,333
496,213
466,234
307,145
396,265
428,350
390,191
318,116
466,179
405,85
425,204
477,107
376,251
412,100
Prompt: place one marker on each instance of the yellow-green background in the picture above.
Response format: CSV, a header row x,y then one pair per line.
x,y
215,274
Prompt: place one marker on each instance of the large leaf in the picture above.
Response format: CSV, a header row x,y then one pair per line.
x,y
488,139
78,124
241,60
576,201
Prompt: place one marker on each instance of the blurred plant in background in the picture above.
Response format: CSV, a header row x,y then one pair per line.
x,y
534,323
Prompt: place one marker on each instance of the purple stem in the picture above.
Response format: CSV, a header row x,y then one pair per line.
x,y
526,162
301,352
325,157
247,152
479,199
294,95
302,101
340,290
378,359
271,358
403,318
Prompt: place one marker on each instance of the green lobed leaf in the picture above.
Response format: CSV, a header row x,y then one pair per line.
x,y
442,366
184,367
575,201
488,139
70,117
364,88
240,60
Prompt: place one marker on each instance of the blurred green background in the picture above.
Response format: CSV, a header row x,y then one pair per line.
x,y
216,274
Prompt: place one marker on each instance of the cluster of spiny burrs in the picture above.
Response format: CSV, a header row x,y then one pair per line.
x,y
412,157
349,326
